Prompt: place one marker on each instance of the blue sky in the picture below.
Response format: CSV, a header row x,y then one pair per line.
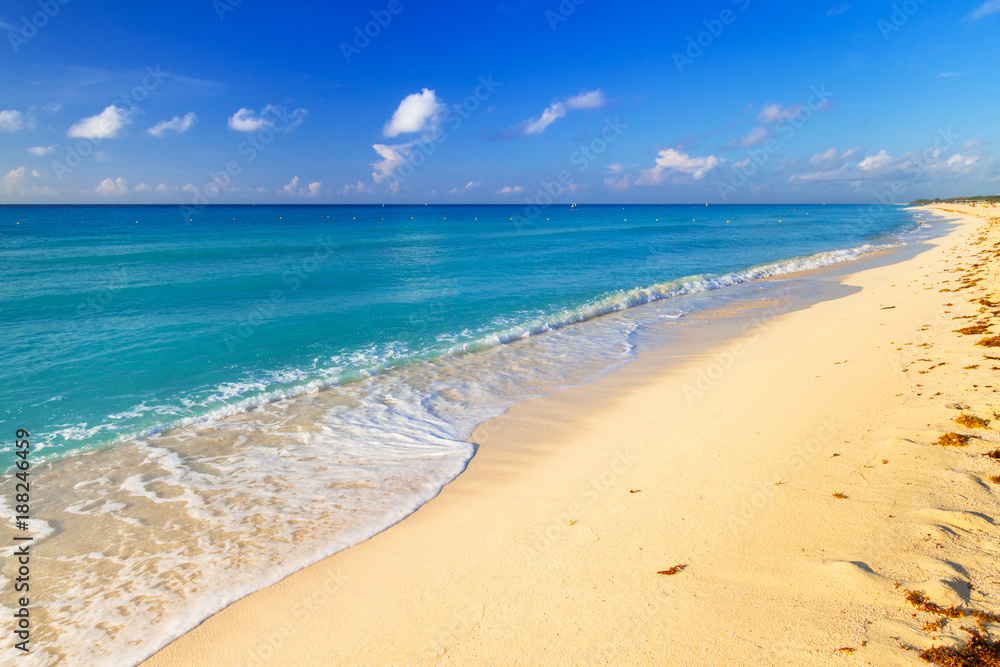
x,y
739,101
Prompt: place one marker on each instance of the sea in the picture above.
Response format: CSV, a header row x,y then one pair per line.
x,y
215,401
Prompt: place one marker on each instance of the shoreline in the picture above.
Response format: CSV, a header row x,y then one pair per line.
x,y
541,551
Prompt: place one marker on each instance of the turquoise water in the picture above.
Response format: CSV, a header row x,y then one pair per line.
x,y
218,402
118,321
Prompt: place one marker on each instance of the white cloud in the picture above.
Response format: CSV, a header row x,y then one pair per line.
x,y
985,9
273,116
42,150
508,190
392,157
244,120
549,116
292,188
773,113
142,187
13,180
359,189
592,100
118,186
672,161
419,112
34,172
11,120
176,124
619,184
962,164
472,185
162,188
911,167
588,100
755,137
105,125
839,9
832,156
876,161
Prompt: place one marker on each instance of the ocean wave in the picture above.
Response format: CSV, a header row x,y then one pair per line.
x,y
232,398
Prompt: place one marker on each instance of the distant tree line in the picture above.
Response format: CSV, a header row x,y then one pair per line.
x,y
957,200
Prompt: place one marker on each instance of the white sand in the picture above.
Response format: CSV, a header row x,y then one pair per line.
x,y
540,554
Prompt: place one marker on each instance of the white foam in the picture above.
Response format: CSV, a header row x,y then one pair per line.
x,y
298,480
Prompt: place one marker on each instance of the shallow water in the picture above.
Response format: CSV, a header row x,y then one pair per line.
x,y
223,402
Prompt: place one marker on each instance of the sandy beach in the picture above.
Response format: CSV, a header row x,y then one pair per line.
x,y
787,475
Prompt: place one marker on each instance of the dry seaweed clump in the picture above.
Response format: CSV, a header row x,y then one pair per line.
x,y
934,626
676,569
990,342
952,440
979,652
920,601
973,330
971,421
995,455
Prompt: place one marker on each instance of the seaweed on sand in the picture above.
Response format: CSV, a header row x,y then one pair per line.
x,y
979,652
973,330
920,601
971,421
952,440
